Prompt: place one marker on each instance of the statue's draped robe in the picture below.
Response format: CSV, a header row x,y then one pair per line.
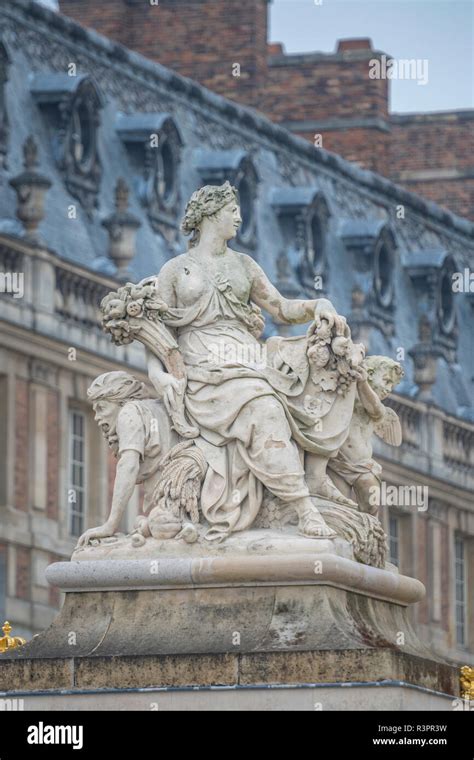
x,y
249,443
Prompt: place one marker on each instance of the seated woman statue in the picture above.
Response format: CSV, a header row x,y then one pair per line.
x,y
237,402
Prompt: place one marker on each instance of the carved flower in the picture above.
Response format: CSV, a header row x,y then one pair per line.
x,y
318,355
120,330
113,308
313,406
326,381
135,308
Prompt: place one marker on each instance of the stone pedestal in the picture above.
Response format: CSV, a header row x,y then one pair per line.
x,y
276,626
224,604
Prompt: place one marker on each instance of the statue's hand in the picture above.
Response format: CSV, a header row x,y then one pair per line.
x,y
325,310
333,319
360,374
167,386
102,531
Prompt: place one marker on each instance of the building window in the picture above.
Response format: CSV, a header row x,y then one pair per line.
x,y
373,245
383,271
460,590
246,182
316,244
77,472
431,272
4,123
446,309
167,171
83,136
246,208
394,540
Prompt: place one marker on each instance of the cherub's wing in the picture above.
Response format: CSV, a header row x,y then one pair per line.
x,y
389,428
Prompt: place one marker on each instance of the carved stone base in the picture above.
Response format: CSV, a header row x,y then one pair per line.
x,y
263,542
260,601
240,620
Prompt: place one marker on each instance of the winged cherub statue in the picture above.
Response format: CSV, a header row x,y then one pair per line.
x,y
354,464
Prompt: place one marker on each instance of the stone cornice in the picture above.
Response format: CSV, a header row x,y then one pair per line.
x,y
447,117
302,59
314,125
51,349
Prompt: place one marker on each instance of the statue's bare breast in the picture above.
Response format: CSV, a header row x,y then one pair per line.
x,y
193,276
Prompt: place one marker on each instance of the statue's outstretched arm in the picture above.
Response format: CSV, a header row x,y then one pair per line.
x,y
285,310
125,481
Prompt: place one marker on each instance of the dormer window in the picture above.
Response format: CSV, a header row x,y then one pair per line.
x,y
317,243
303,215
154,147
246,210
431,272
372,244
72,107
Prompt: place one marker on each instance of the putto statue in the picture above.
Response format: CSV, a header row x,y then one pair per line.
x,y
233,423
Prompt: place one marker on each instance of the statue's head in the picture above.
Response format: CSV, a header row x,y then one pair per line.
x,y
383,374
108,393
212,205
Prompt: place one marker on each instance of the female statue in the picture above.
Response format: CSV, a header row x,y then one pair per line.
x,y
237,403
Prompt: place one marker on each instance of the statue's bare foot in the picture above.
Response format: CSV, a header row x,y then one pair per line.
x,y
312,525
327,490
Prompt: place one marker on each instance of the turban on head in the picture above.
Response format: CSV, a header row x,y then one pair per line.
x,y
116,386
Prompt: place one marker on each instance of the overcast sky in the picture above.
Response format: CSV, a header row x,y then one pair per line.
x,y
440,31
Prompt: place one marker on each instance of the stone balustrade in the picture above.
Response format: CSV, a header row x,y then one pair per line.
x,y
60,299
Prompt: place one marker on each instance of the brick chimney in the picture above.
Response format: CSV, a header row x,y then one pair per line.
x,y
276,48
354,43
220,43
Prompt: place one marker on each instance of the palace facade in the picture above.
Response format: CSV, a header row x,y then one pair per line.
x,y
100,149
